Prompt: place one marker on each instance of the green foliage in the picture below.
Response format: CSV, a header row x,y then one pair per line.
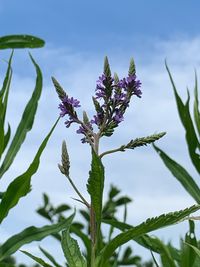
x,y
36,259
96,185
25,124
186,119
72,251
50,257
180,174
31,234
20,41
151,224
21,185
185,256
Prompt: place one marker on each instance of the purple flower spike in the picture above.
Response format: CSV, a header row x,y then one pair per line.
x,y
118,116
71,101
63,109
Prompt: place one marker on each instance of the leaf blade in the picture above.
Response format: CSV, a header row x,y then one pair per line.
x,y
31,234
145,227
36,259
190,134
20,41
95,187
25,124
72,251
20,187
180,174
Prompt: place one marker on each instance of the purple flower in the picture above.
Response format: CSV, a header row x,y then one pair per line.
x,y
103,85
67,108
118,117
71,101
131,84
98,119
63,109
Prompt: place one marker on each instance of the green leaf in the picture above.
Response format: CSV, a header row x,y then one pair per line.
x,y
196,105
190,135
50,257
20,41
72,251
95,187
150,225
180,174
25,124
7,137
187,253
166,257
197,251
21,186
144,240
3,104
5,89
84,238
31,234
36,259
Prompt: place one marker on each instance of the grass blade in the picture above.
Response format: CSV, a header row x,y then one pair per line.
x,y
25,124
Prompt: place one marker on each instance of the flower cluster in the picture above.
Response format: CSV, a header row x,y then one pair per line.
x,y
112,98
67,107
116,95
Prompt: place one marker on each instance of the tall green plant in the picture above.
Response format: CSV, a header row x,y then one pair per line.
x,y
111,100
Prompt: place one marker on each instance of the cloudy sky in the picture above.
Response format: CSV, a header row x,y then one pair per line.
x,y
78,35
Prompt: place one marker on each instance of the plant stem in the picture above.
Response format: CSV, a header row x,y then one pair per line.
x,y
77,191
111,151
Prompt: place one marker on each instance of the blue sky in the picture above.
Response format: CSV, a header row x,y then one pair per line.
x,y
78,35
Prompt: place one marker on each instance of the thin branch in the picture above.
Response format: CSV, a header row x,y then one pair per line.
x,y
77,191
142,141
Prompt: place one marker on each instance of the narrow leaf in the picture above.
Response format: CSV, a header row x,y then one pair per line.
x,y
21,186
5,89
20,41
180,174
25,124
197,251
36,259
95,187
190,135
196,105
50,257
72,251
7,137
150,225
31,234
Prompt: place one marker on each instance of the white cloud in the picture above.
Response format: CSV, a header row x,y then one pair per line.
x,y
140,173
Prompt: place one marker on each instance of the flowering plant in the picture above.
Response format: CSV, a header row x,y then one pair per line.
x,y
112,98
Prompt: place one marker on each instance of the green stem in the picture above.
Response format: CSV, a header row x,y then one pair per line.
x,y
77,191
121,148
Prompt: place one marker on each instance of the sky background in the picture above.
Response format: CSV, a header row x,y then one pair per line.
x,y
78,35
